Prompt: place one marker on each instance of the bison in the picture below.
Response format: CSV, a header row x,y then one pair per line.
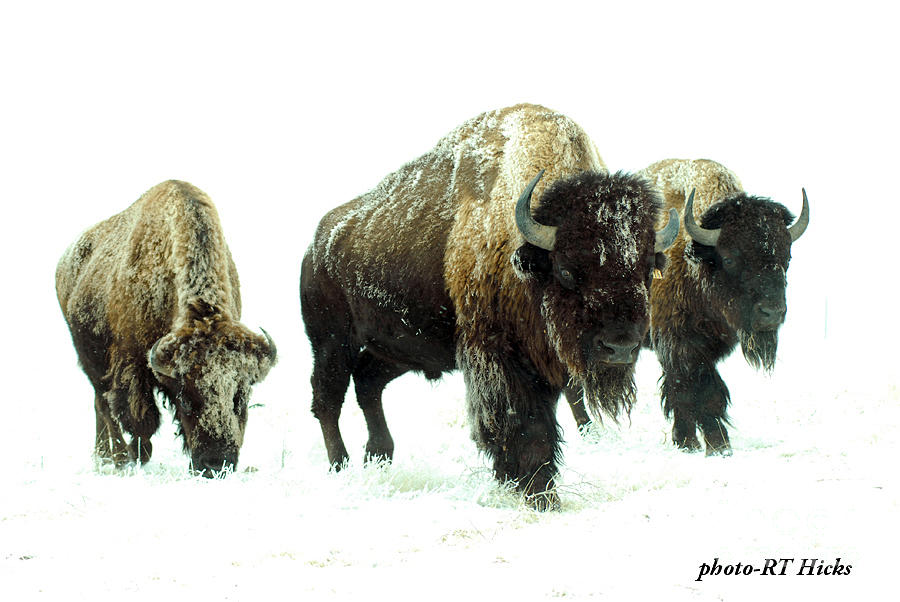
x,y
465,259
152,300
725,286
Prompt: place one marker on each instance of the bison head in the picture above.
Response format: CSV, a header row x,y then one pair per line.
x,y
589,257
207,371
742,250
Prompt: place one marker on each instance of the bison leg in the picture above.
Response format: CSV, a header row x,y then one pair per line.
x,y
698,398
575,397
684,429
370,377
330,379
141,448
109,445
527,457
513,415
133,406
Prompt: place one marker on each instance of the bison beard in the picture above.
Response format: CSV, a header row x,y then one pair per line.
x,y
609,390
759,348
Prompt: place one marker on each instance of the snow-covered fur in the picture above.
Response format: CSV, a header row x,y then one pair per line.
x,y
711,297
159,277
429,272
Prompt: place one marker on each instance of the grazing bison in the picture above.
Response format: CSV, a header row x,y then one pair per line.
x,y
440,267
725,285
152,300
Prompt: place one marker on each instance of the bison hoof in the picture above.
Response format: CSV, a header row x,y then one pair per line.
x,y
339,464
544,501
719,451
688,444
378,457
587,429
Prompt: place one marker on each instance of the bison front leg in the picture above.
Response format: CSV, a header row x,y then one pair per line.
x,y
513,415
109,444
132,407
697,398
575,398
526,456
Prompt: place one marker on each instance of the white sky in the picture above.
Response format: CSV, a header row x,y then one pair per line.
x,y
282,111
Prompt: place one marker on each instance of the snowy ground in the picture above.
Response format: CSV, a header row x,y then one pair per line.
x,y
813,476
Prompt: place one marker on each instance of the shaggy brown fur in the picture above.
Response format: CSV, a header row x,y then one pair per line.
x,y
159,275
429,272
713,298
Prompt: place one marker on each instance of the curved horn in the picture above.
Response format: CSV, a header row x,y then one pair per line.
x,y
666,236
537,234
272,351
701,235
156,364
799,226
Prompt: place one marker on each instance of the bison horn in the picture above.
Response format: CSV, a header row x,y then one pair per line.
x,y
666,236
272,351
799,226
699,234
537,234
157,365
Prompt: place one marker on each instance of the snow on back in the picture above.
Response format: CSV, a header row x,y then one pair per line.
x,y
475,171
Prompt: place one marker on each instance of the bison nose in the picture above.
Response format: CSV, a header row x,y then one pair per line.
x,y
211,464
615,353
769,314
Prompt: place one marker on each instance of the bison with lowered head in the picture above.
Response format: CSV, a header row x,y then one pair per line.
x,y
725,286
152,300
465,258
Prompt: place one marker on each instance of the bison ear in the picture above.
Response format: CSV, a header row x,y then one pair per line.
x,y
531,263
660,261
696,253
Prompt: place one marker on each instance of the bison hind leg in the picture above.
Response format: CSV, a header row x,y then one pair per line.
x,y
330,379
370,377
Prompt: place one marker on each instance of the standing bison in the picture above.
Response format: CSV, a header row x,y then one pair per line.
x,y
441,267
152,300
725,285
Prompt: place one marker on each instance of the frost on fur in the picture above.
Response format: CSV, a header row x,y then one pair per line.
x,y
152,300
725,285
431,271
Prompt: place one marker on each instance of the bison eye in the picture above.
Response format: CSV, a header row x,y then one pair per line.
x,y
730,262
566,277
